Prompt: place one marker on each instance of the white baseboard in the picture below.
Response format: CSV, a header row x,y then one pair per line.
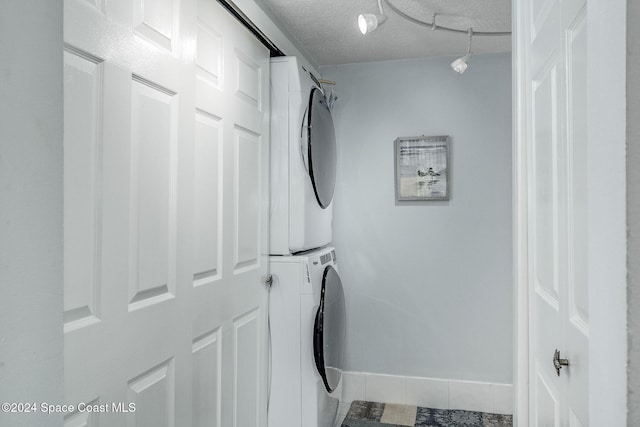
x,y
427,392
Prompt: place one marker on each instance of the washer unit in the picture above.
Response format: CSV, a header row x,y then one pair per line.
x,y
303,160
308,320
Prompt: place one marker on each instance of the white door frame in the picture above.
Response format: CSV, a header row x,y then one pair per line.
x,y
520,241
606,20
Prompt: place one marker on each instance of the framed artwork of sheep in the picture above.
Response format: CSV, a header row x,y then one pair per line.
x,y
422,168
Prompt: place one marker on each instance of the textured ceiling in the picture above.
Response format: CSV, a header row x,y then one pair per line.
x,y
328,30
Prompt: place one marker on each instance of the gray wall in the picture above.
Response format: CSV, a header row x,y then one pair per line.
x,y
633,210
606,110
31,352
429,286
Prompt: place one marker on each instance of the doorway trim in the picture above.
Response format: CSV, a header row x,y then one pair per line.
x,y
520,236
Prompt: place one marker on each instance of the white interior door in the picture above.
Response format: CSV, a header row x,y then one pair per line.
x,y
166,165
555,53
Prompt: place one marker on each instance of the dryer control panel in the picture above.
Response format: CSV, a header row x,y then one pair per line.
x,y
326,258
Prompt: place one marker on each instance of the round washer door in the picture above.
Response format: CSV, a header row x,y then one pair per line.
x,y
329,330
321,148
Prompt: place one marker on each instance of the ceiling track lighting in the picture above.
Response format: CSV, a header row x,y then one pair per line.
x,y
460,65
432,25
368,22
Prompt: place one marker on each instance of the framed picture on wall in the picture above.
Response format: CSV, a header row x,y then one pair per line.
x,y
422,168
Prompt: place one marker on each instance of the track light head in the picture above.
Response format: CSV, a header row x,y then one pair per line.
x,y
368,22
460,65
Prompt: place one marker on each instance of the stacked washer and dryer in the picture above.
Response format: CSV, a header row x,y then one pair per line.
x,y
307,308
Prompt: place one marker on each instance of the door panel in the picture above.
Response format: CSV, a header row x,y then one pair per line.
x,y
82,214
153,394
578,173
153,202
577,328
207,377
545,141
207,199
209,56
246,366
574,421
546,300
247,197
540,11
166,145
547,403
232,99
555,58
248,80
156,20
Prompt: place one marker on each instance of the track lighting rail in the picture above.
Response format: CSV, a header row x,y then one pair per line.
x,y
368,22
435,26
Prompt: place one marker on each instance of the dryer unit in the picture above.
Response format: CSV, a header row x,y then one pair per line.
x,y
303,160
308,326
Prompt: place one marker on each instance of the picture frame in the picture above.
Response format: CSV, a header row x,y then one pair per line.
x,y
422,168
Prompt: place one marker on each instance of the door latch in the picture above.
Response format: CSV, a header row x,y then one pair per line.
x,y
559,363
269,280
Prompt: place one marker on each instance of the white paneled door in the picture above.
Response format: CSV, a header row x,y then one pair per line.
x,y
555,50
166,165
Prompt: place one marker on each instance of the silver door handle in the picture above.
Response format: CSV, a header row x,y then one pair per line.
x,y
559,363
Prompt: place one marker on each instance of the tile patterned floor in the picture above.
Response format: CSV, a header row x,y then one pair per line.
x,y
372,414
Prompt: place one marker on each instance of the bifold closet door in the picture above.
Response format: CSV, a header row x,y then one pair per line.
x,y
166,159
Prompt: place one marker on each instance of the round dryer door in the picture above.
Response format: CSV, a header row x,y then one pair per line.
x,y
322,148
330,329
